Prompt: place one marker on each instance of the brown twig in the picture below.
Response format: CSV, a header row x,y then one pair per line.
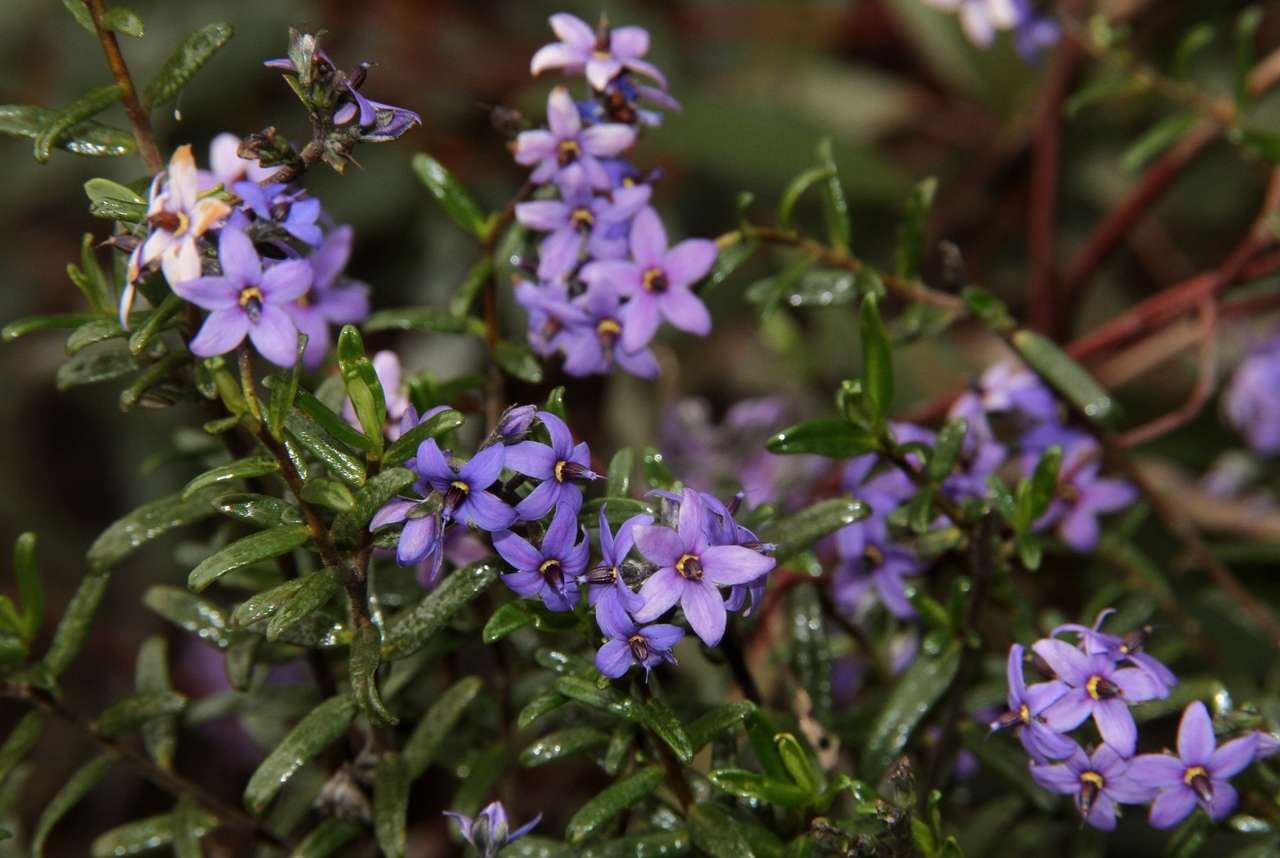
x,y
139,116
170,782
495,395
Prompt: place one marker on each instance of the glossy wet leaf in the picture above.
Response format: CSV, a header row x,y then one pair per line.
x,y
716,832
877,358
658,844
263,545
711,724
518,360
542,704
260,511
187,59
618,484
151,676
800,531
314,591
658,717
514,615
145,524
366,656
410,630
240,469
131,713
311,436
363,388
918,689
450,194
615,798
406,446
423,319
85,107
349,526
561,744
323,726
191,613
1064,375
145,835
21,739
36,324
330,421
436,726
756,787
30,590
912,234
607,700
328,837
836,439
792,193
72,632
90,138
76,788
946,449
835,207
95,367
391,804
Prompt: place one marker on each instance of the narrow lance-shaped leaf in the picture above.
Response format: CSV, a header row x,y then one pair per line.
x,y
450,194
663,722
621,465
465,295
915,694
144,835
145,524
328,837
518,360
73,629
30,591
20,741
406,446
320,728
946,449
796,189
800,531
716,832
914,229
184,62
86,107
423,319
391,804
409,631
437,724
877,358
240,469
80,12
756,787
561,744
1064,375
835,208
198,616
81,784
260,511
187,819
258,546
131,713
151,676
837,439
310,436
371,497
363,388
713,723
284,390
366,656
121,19
312,594
593,815
91,139
328,420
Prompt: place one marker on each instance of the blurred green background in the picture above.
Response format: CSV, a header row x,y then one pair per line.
x,y
892,82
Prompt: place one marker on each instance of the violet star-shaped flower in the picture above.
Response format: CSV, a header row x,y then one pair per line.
x,y
1082,497
549,311
329,301
690,570
1199,773
421,540
591,339
882,568
465,495
560,467
614,602
489,831
177,217
550,571
292,209
1099,782
603,56
1098,689
245,299
578,219
1127,648
629,645
657,280
1023,714
565,151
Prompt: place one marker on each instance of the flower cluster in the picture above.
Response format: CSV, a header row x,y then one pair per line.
x,y
982,19
1098,678
691,555
606,276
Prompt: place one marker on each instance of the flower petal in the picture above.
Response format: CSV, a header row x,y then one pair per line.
x,y
1171,807
1068,662
659,545
572,30
605,141
274,336
734,564
704,609
1233,757
286,281
1157,771
1057,778
648,239
685,311
1195,735
532,459
614,658
1115,724
484,468
660,591
539,502
240,261
1069,712
486,511
558,56
562,114
211,293
221,332
689,261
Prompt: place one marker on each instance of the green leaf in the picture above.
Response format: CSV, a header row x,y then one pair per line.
x,y
363,388
73,629
366,656
90,139
80,12
607,700
199,616
486,768
409,631
330,494
1034,501
1158,138
617,510
946,449
1103,89
621,465
560,744
30,591
328,837
658,717
314,591
729,260
186,818
916,692
800,531
796,762
94,368
797,187
330,422
518,361
263,545
123,20
716,832
541,704
372,496
437,723
20,741
85,107
993,312
450,194
98,190
284,390
145,835
391,804
80,784
35,324
910,252
145,524
1064,375
756,787
131,713
423,319
811,650
260,511
715,722
151,676
656,473
406,446
835,208
836,439
617,797
264,605
659,844
240,469
1262,143
184,62
161,318
312,437
465,295
516,615
321,727
877,358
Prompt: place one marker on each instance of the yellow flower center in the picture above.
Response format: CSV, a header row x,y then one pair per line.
x,y
874,554
567,152
559,471
1024,714
582,218
250,297
1101,688
607,329
655,280
1092,778
689,567
1194,772
460,486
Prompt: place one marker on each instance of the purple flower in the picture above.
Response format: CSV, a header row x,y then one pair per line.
x,y
465,495
1199,772
980,19
1023,715
1118,649
551,570
488,832
422,538
1252,401
549,311
607,592
657,281
592,336
1099,782
560,467
566,152
515,422
603,57
1008,386
295,211
226,167
328,302
1098,689
579,218
690,570
1034,32
1082,496
379,122
881,568
245,299
177,217
629,645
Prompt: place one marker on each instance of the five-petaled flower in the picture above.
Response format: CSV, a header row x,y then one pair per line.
x,y
1199,773
466,498
246,299
329,301
567,152
1127,648
550,571
601,55
1099,781
607,592
489,830
690,570
1023,715
629,645
560,467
